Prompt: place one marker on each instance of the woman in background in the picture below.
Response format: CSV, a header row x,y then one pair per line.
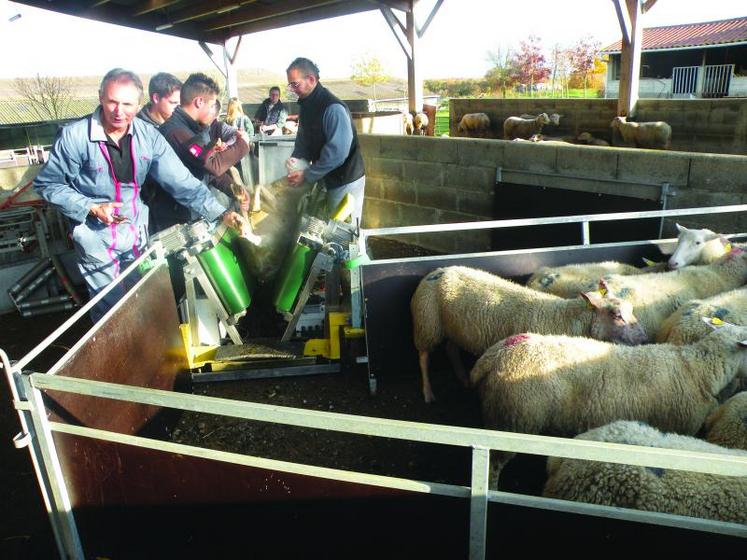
x,y
235,117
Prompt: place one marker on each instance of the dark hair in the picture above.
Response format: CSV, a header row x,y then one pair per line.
x,y
196,85
122,76
163,84
274,88
304,65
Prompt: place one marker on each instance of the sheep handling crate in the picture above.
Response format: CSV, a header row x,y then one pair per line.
x,y
114,487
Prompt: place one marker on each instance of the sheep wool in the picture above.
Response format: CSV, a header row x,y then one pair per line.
x,y
656,296
567,281
707,496
516,127
561,385
727,425
657,135
474,125
475,309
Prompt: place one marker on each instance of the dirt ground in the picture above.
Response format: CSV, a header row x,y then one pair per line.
x,y
24,528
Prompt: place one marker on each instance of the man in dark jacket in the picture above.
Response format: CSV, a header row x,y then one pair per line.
x,y
207,148
326,138
271,116
164,96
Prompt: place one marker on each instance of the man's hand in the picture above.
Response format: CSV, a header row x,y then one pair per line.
x,y
105,212
244,136
235,221
296,178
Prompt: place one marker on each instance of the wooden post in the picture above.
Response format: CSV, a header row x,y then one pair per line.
x,y
631,26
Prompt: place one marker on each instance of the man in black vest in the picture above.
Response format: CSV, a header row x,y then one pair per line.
x,y
326,138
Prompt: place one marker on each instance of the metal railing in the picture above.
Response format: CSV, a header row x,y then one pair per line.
x,y
685,80
712,80
716,80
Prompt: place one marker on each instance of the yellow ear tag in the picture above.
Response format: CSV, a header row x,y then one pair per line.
x,y
716,321
727,247
602,291
648,262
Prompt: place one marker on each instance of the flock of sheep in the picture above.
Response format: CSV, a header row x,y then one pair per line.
x,y
654,135
643,357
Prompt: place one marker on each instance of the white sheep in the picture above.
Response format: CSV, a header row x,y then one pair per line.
x,y
694,246
707,496
589,140
567,281
420,124
684,325
408,122
656,296
697,246
554,118
563,385
475,125
727,425
474,309
516,127
657,135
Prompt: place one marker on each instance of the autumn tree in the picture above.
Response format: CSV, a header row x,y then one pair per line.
x,y
560,70
368,71
530,63
48,96
502,74
582,56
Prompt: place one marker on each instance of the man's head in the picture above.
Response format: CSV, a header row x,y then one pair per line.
x,y
120,94
164,91
274,94
303,75
199,98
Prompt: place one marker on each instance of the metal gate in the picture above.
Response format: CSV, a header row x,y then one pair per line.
x,y
716,80
684,80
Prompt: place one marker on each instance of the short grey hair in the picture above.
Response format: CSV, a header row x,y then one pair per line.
x,y
122,76
305,66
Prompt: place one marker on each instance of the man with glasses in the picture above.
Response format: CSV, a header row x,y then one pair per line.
x,y
326,138
207,148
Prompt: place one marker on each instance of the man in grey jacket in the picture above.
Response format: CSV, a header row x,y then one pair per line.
x,y
93,177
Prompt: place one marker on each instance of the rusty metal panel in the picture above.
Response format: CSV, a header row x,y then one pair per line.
x,y
139,344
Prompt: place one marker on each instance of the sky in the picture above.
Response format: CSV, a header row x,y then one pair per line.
x,y
455,45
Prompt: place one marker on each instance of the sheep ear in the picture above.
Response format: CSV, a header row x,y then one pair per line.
x,y
680,228
593,299
742,343
603,287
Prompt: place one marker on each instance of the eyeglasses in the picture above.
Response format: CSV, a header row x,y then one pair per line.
x,y
294,85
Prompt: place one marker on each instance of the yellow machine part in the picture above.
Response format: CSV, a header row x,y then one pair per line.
x,y
330,347
344,209
197,356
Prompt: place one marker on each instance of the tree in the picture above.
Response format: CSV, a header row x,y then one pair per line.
x,y
530,64
48,96
560,70
368,71
582,56
502,74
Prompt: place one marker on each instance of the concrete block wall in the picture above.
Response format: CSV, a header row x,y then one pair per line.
x,y
415,180
698,125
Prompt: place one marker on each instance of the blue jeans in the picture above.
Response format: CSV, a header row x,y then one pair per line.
x,y
356,190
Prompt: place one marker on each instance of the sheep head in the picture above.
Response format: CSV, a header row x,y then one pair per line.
x,y
613,319
617,121
690,246
542,118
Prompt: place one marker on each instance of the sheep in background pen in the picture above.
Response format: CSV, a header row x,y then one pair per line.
x,y
655,135
692,494
409,124
563,385
516,127
474,125
727,425
554,118
656,296
474,309
420,124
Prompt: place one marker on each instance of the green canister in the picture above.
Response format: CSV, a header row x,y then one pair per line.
x,y
292,277
223,270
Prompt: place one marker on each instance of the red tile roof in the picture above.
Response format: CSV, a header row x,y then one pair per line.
x,y
725,31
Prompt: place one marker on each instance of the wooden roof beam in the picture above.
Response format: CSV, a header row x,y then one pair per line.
x,y
152,5
258,13
204,9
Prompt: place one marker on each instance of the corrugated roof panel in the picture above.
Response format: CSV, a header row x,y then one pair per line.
x,y
720,32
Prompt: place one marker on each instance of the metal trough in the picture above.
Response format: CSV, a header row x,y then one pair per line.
x,y
114,486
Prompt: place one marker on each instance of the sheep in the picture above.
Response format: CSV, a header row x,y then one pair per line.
x,y
684,325
655,135
408,123
567,281
708,496
554,118
694,246
589,140
727,425
563,385
700,246
474,309
420,124
656,296
516,127
474,125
